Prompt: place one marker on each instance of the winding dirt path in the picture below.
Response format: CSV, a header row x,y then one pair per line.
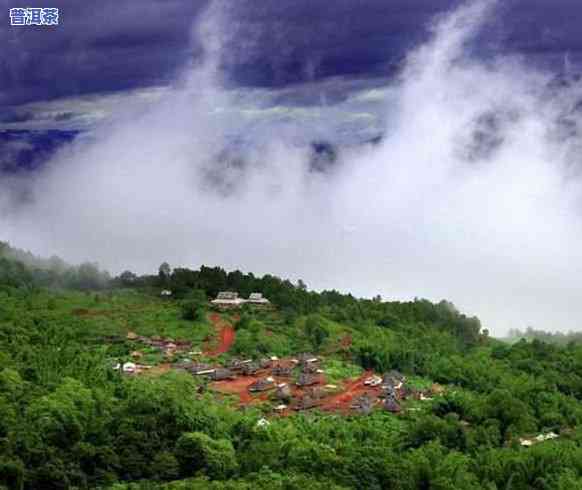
x,y
226,335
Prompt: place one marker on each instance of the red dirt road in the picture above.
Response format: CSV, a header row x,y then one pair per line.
x,y
226,335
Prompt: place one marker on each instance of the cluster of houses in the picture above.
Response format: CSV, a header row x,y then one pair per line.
x,y
294,384
248,367
299,384
167,346
230,299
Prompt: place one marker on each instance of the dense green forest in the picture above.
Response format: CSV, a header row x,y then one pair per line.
x,y
68,420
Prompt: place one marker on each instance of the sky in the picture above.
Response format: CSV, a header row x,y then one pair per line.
x,y
115,45
185,133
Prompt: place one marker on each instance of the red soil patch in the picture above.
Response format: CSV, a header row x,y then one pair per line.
x,y
352,389
226,335
238,386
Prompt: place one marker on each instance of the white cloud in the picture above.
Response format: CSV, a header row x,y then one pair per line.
x,y
470,196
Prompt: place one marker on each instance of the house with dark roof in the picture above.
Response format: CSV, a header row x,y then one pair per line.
x,y
199,368
262,384
388,391
393,379
221,374
307,358
237,364
391,405
363,404
250,369
282,371
284,392
310,367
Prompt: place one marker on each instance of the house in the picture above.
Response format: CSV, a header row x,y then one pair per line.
x,y
237,364
388,391
283,392
221,374
306,379
227,300
363,404
546,437
257,299
397,375
311,368
282,371
199,369
262,384
250,369
165,293
129,368
540,438
307,358
373,381
392,381
391,405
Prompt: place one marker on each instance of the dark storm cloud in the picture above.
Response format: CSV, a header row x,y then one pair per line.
x,y
98,46
115,45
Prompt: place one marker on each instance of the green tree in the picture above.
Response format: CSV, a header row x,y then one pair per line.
x,y
197,451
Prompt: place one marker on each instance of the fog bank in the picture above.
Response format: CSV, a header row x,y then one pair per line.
x,y
473,195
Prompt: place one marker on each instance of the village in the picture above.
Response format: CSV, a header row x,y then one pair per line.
x,y
283,386
288,385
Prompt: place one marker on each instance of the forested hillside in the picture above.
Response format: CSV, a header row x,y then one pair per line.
x,y
99,388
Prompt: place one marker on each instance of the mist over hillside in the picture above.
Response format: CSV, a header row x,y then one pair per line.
x,y
472,194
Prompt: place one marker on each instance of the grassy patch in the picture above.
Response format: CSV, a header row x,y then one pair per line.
x,y
419,383
337,371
